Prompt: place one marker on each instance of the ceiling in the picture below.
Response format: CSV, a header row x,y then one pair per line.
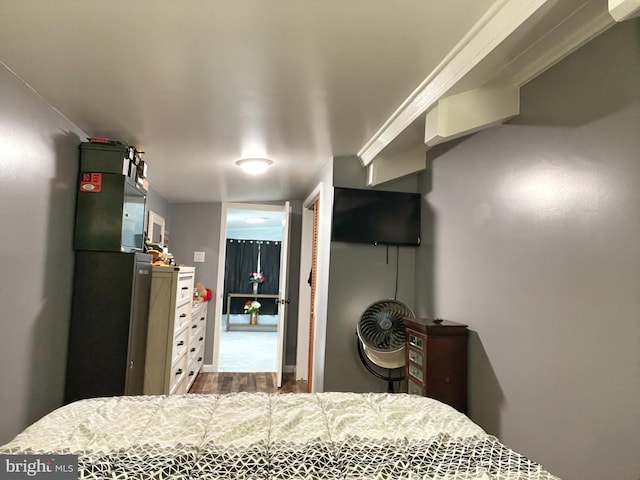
x,y
197,85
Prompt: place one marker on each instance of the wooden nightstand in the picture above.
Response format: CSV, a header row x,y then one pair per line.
x,y
436,360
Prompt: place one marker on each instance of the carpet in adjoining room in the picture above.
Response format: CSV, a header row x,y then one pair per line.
x,y
248,350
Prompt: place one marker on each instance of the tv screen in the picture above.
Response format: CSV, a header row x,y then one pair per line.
x,y
376,216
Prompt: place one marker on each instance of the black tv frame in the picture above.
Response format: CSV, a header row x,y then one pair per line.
x,y
378,217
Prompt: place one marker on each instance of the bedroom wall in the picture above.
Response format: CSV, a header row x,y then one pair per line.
x,y
196,227
38,178
532,237
158,204
359,275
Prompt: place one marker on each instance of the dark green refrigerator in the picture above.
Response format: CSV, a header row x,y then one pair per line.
x,y
108,331
112,277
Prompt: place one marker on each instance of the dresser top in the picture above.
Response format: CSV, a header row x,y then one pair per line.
x,y
435,326
173,268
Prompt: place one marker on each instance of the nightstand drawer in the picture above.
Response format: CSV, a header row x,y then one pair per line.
x,y
416,372
414,388
416,341
415,357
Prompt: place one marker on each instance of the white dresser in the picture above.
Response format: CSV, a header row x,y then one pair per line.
x,y
172,337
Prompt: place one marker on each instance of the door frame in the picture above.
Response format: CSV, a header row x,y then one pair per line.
x,y
221,271
306,340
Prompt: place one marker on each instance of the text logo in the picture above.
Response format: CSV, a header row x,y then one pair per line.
x,y
50,467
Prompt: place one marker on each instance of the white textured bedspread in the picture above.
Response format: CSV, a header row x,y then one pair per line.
x,y
273,436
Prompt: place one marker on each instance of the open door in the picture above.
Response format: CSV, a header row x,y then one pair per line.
x,y
284,299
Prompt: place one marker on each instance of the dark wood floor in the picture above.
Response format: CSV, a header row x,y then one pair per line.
x,y
229,382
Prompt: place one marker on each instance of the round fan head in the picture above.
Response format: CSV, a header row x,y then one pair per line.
x,y
382,334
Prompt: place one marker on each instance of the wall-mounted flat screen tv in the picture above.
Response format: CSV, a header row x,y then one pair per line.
x,y
376,216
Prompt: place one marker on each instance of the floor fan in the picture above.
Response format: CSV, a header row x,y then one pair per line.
x,y
381,340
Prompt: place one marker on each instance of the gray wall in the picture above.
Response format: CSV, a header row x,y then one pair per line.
x,y
38,180
534,241
196,227
359,275
158,204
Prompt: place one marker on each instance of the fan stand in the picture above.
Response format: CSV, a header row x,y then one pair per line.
x,y
367,364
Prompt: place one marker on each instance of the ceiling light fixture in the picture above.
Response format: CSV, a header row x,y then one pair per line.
x,y
255,220
254,166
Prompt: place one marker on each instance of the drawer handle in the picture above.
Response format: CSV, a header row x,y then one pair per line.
x,y
201,319
194,326
201,338
185,288
183,315
192,373
193,349
199,359
415,341
179,371
180,343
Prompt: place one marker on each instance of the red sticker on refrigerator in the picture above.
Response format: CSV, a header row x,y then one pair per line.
x,y
91,182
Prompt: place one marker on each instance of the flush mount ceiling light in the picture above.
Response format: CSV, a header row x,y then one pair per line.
x,y
255,220
254,166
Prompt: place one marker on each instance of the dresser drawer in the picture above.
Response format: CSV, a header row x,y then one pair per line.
x,y
178,372
197,341
194,330
199,310
193,354
182,316
179,345
180,388
185,287
194,368
196,350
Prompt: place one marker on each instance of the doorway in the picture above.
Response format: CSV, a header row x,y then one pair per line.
x,y
250,312
308,295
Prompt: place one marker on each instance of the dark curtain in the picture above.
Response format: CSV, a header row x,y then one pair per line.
x,y
241,260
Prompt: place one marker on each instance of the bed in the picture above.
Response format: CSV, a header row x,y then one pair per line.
x,y
273,436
